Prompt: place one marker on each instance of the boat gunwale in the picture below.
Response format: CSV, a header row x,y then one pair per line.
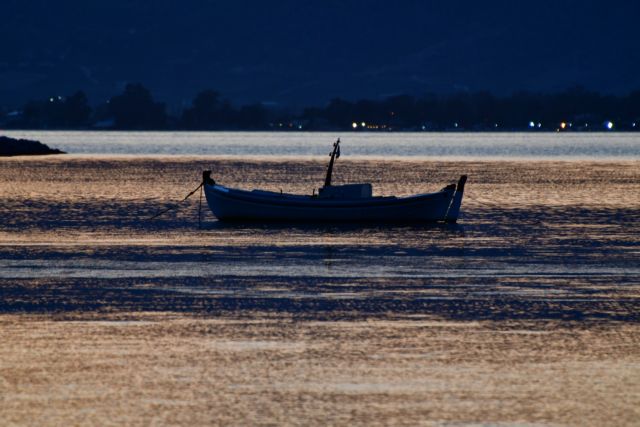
x,y
316,202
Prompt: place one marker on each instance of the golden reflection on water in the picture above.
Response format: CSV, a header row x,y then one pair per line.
x,y
167,369
525,313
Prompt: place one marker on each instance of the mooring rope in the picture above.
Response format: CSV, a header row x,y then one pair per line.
x,y
200,206
177,205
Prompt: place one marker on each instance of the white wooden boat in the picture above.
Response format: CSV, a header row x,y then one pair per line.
x,y
344,203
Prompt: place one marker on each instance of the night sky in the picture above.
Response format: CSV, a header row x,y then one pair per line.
x,y
307,52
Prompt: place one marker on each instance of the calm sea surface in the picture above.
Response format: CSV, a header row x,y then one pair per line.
x,y
526,312
459,145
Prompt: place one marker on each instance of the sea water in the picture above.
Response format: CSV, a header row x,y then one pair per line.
x,y
524,312
486,145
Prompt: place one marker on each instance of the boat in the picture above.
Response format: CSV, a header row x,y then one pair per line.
x,y
337,203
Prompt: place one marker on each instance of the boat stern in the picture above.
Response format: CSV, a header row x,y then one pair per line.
x,y
454,208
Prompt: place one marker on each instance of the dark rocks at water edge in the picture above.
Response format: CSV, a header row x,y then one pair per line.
x,y
24,147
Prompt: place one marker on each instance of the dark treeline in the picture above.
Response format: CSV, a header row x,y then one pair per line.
x,y
136,109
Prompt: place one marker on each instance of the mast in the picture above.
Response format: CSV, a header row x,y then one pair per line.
x,y
334,155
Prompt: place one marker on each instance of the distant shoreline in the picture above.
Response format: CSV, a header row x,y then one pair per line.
x,y
572,110
335,131
24,147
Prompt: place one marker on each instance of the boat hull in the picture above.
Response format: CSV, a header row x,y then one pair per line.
x,y
233,204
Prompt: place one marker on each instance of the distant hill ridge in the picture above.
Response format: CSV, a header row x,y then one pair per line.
x,y
303,53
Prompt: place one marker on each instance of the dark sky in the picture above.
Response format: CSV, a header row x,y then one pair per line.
x,y
306,52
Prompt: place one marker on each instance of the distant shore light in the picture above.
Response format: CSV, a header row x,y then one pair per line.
x,y
363,124
532,124
563,125
609,125
354,125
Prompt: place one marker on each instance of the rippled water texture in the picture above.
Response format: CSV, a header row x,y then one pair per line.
x,y
526,313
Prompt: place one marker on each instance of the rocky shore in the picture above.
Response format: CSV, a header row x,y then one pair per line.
x,y
24,147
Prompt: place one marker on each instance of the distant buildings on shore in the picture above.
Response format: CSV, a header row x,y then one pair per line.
x,y
574,110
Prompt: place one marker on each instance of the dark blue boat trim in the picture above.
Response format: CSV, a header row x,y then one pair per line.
x,y
324,203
